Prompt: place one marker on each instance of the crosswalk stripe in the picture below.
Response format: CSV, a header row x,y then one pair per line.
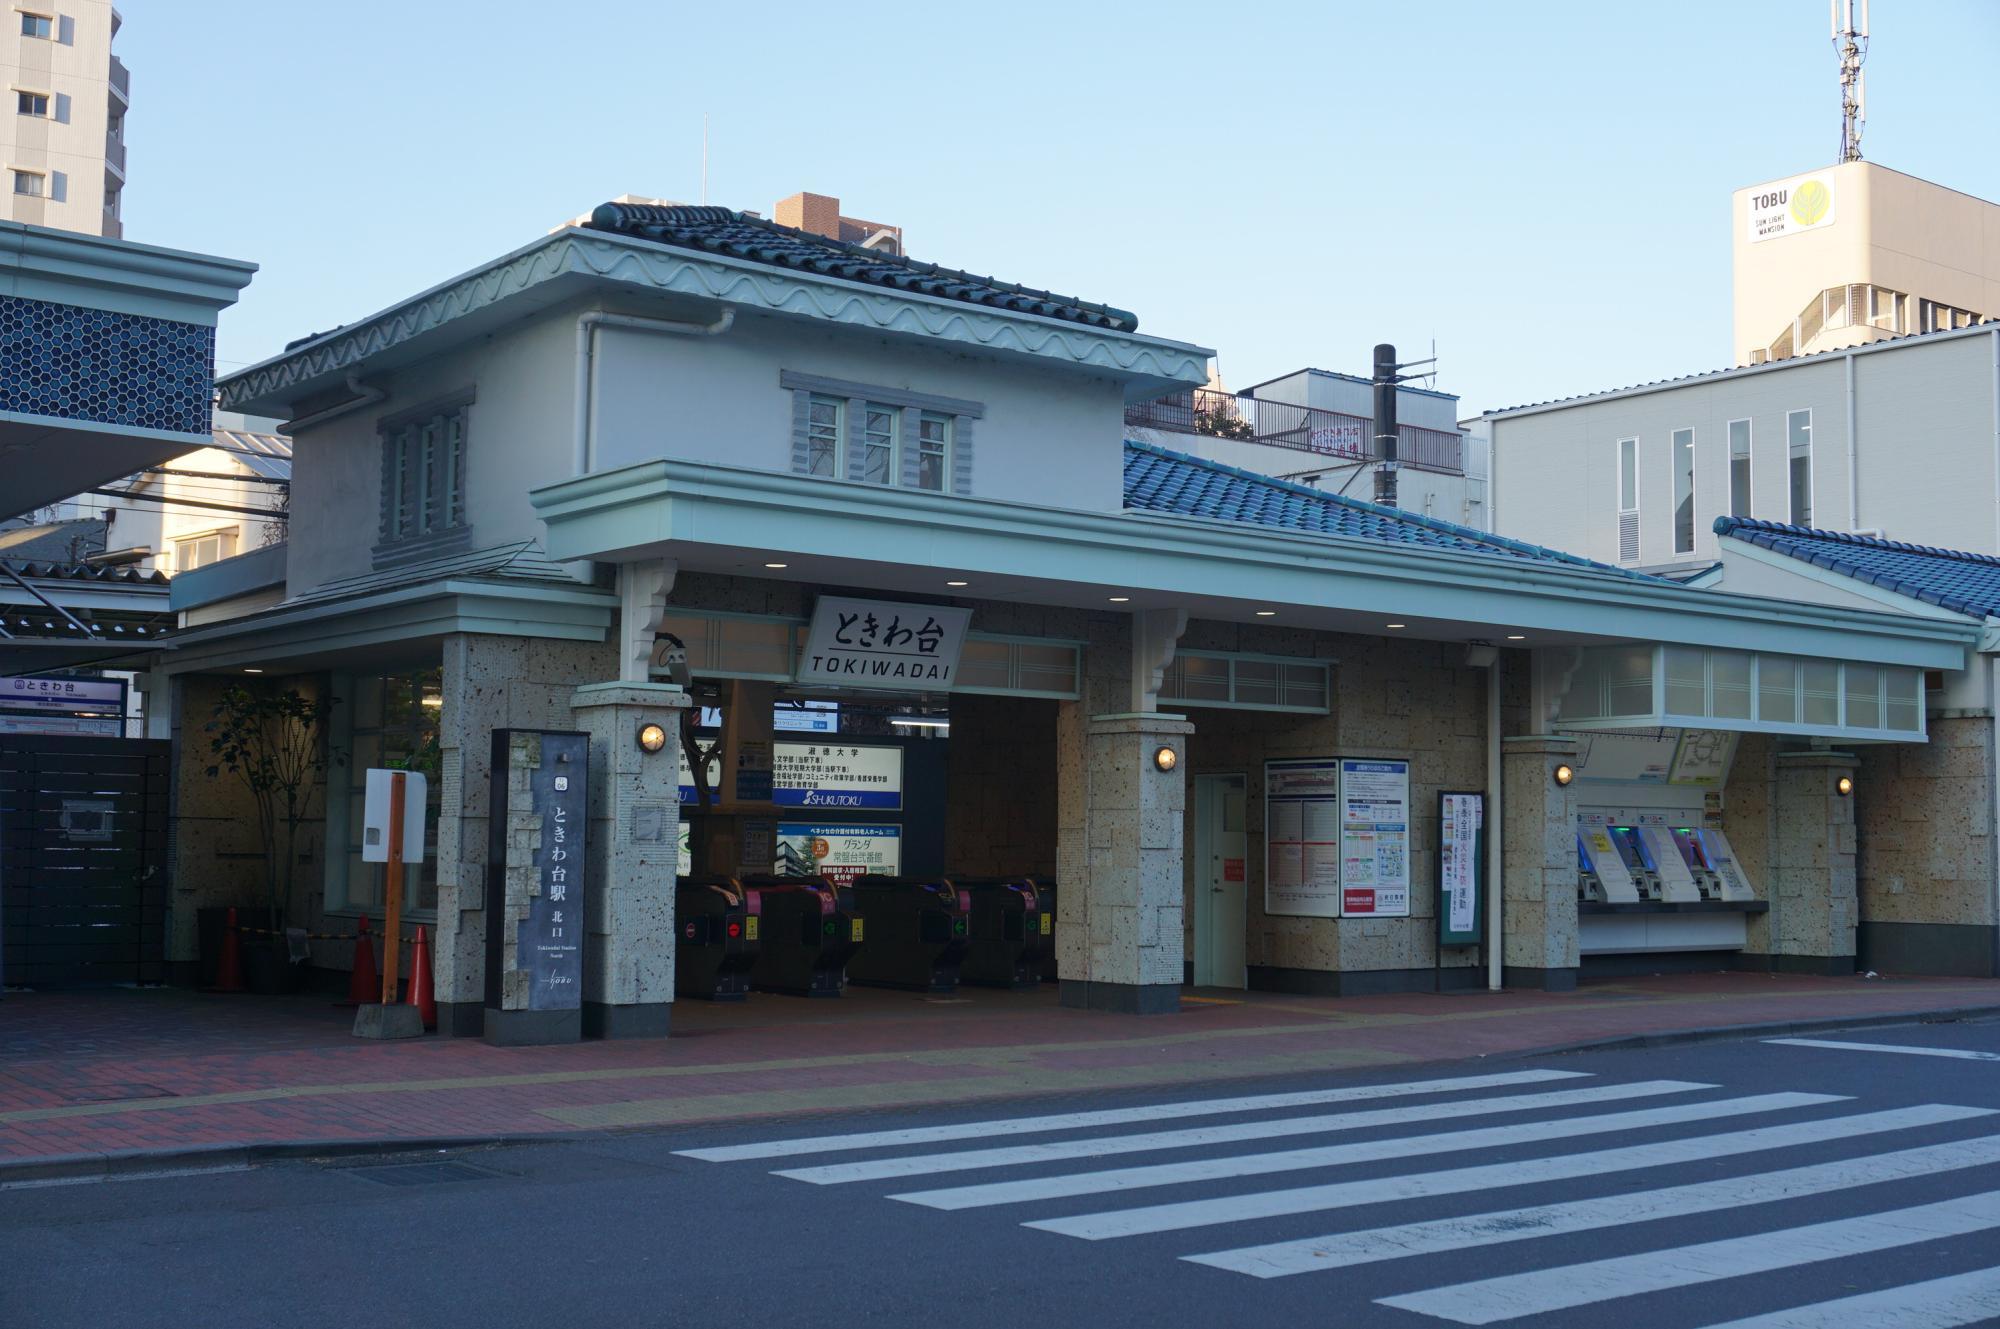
x,y
1543,1291
917,1165
1521,1172
1340,1250
1938,1303
1959,1054
1293,1160
1209,1107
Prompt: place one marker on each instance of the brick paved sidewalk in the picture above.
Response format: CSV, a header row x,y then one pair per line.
x,y
91,1076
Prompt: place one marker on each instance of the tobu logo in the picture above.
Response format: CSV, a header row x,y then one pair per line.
x,y
1810,202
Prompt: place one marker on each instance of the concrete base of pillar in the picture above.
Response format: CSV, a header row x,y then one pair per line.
x,y
1542,980
643,1020
1363,982
515,1029
462,1019
378,1021
1961,950
1124,998
1830,966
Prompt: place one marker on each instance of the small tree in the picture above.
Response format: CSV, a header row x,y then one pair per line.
x,y
275,743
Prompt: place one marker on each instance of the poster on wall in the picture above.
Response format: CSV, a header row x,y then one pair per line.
x,y
840,852
1302,837
1374,838
1461,823
823,775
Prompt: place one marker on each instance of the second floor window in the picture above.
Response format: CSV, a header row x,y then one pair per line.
x,y
1683,454
933,451
1798,446
33,184
203,550
423,476
1739,468
32,103
878,444
1628,500
878,434
38,25
823,435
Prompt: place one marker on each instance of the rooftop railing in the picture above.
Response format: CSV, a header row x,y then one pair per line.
x,y
1302,428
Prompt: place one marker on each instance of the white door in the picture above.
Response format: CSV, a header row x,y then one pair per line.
x,y
1219,881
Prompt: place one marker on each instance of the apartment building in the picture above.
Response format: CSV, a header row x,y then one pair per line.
x,y
62,144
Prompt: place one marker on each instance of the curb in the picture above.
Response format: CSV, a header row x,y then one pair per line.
x,y
110,1164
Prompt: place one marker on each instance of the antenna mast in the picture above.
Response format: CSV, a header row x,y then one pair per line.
x,y
1850,42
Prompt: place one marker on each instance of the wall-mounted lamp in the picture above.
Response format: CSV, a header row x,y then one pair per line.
x,y
1166,758
652,737
1564,774
1844,785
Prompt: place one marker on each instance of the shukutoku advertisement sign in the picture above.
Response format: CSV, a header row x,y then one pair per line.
x,y
858,776
840,852
1803,203
883,644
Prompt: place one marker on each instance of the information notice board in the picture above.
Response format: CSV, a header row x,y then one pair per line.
x,y
1461,868
1374,838
1302,837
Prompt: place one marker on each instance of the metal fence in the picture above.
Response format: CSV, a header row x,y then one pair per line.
x,y
1284,425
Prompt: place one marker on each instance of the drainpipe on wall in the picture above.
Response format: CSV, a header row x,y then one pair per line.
x,y
1494,936
583,453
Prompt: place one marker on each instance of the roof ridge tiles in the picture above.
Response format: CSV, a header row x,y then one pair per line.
x,y
1731,525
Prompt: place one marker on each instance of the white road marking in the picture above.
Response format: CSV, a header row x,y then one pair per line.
x,y
1340,1250
1959,1054
1939,1303
1320,1156
1209,1107
1544,1291
1522,1172
920,1165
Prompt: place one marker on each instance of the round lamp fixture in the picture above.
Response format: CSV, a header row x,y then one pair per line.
x,y
1844,785
1564,774
652,737
1166,758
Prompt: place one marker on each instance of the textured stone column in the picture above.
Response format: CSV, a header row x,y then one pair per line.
x,y
1812,887
1120,855
1538,864
634,853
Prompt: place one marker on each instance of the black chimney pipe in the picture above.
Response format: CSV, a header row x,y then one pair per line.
x,y
1385,424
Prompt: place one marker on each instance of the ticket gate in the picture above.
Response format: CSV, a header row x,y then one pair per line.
x,y
1007,932
918,928
1694,853
805,937
1045,896
1677,880
715,939
1589,886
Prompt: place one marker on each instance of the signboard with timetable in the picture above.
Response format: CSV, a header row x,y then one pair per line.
x,y
1374,838
883,644
1302,837
534,966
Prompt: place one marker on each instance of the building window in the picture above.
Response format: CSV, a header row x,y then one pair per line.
x,y
933,451
823,435
38,25
1739,468
112,194
1683,491
203,550
114,129
878,443
1628,500
395,723
1798,444
423,473
32,103
32,184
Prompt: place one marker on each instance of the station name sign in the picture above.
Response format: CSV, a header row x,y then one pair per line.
x,y
883,644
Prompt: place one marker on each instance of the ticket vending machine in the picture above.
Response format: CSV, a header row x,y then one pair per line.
x,y
1607,864
1688,840
1589,886
1677,879
1638,861
1722,860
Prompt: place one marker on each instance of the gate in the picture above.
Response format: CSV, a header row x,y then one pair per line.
x,y
83,860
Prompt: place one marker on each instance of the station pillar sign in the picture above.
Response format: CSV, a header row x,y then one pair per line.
x,y
538,815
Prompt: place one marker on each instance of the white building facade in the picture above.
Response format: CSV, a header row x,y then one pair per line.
x,y
62,139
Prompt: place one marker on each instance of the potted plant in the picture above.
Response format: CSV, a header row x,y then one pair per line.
x,y
274,741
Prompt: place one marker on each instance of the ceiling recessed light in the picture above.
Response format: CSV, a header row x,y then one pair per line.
x,y
1266,613
777,565
253,671
958,583
1395,625
1120,599
1516,636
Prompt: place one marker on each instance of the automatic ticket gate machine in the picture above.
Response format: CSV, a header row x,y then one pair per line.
x,y
806,936
918,928
715,939
1009,931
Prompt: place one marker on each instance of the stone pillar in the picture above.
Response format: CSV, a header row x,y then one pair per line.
x,y
634,854
1538,864
1119,849
1812,887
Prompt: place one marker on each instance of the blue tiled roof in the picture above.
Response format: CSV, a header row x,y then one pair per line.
x,y
1159,479
1948,578
721,231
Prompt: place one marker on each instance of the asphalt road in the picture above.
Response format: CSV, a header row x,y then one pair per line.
x,y
1759,1183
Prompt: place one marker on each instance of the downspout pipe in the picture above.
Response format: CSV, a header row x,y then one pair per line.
x,y
364,395
1494,857
583,451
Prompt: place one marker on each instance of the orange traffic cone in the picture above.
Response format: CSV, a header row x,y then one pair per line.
x,y
229,969
421,995
364,985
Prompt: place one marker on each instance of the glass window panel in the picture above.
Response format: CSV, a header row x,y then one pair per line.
x,y
1739,468
985,664
1819,691
1905,710
1729,685
1683,454
933,451
1686,681
1303,685
1256,682
1611,681
1046,668
754,646
1798,442
1864,697
1204,678
823,436
1777,689
878,444
1628,474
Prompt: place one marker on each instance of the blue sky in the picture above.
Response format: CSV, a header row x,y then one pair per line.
x,y
1542,188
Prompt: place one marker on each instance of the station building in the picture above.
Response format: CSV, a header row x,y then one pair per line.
x,y
646,465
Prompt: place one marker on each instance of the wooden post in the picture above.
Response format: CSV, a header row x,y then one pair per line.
x,y
392,902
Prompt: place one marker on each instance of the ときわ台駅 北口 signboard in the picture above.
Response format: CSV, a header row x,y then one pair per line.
x,y
883,644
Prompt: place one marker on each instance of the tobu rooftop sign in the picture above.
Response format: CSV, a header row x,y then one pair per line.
x,y
883,644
